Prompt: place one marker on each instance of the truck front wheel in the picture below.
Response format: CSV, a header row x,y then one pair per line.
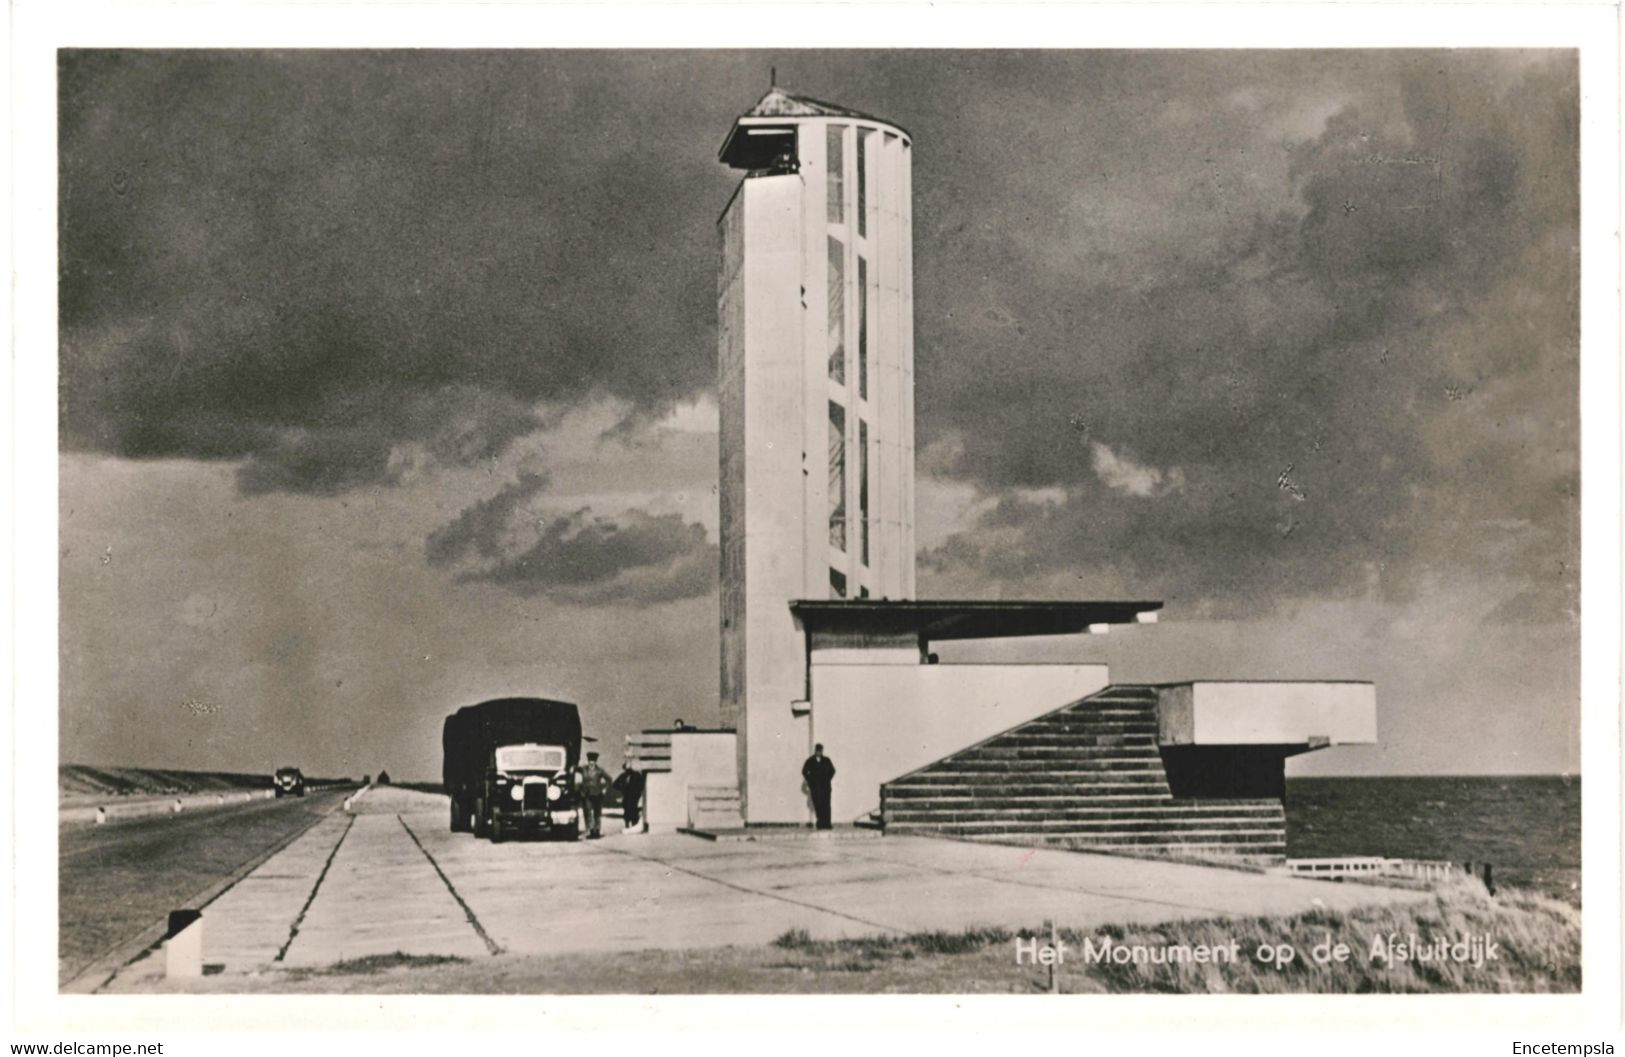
x,y
498,835
482,822
459,817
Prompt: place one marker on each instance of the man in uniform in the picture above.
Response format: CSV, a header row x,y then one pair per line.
x,y
594,783
630,785
819,772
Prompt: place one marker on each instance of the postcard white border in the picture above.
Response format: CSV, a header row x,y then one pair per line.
x,y
1333,1024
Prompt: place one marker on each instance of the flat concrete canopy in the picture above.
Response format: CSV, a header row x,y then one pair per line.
x,y
944,620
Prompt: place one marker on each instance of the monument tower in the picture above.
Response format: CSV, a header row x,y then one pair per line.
x,y
823,639
816,393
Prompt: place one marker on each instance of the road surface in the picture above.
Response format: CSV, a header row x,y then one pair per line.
x,y
387,879
116,880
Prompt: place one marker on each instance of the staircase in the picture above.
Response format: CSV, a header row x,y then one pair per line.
x,y
1089,776
714,807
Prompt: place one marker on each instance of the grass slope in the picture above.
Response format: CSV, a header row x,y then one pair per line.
x,y
77,780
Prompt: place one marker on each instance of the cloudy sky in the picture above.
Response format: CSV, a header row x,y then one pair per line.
x,y
387,382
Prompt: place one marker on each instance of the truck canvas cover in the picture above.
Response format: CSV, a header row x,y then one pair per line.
x,y
470,734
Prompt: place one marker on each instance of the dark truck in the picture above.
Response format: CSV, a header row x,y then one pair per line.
x,y
509,767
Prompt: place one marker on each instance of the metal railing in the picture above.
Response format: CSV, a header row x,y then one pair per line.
x,y
1372,866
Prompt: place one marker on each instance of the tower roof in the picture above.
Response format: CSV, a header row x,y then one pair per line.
x,y
781,103
771,121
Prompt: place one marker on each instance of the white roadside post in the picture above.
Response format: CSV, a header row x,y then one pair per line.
x,y
183,947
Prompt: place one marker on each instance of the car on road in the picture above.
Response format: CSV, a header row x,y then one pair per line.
x,y
289,781
509,768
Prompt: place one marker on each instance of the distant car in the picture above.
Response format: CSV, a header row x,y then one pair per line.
x,y
289,781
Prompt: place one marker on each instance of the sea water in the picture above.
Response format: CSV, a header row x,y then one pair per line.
x,y
1526,828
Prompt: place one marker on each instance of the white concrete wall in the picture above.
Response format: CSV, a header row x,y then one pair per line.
x,y
878,722
665,801
704,759
697,758
776,516
1267,713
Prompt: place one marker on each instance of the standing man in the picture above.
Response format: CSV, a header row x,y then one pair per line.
x,y
819,772
594,784
630,785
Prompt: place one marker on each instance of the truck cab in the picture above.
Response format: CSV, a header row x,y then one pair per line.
x,y
532,790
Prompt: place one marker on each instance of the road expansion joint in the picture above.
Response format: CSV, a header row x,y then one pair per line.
x,y
293,930
468,911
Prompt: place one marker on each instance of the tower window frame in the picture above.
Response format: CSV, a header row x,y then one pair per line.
x,y
837,476
835,173
863,491
863,180
863,327
836,295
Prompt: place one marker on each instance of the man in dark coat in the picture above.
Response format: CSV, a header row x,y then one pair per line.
x,y
819,772
594,783
629,784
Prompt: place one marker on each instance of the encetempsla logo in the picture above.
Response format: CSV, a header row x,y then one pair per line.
x,y
1394,949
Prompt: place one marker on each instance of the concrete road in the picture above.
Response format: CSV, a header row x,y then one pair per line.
x,y
117,880
392,878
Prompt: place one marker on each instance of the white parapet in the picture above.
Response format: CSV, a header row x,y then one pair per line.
x,y
1313,714
699,759
880,721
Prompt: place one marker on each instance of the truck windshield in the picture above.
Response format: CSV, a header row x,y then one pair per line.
x,y
530,758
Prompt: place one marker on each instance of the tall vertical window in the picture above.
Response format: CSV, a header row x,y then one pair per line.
x,y
837,311
837,476
835,171
863,490
863,182
863,328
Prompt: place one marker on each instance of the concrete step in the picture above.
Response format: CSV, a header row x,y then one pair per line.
x,y
968,773
1106,793
907,811
715,808
1018,798
1022,737
1045,796
1098,824
1087,726
973,763
1096,754
1220,838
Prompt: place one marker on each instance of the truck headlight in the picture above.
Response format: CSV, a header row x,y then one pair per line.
x,y
517,792
554,792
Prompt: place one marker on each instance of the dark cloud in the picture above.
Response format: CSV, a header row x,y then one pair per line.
x,y
1359,375
1265,322
307,260
575,558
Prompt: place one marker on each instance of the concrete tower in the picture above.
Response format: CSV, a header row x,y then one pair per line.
x,y
816,391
